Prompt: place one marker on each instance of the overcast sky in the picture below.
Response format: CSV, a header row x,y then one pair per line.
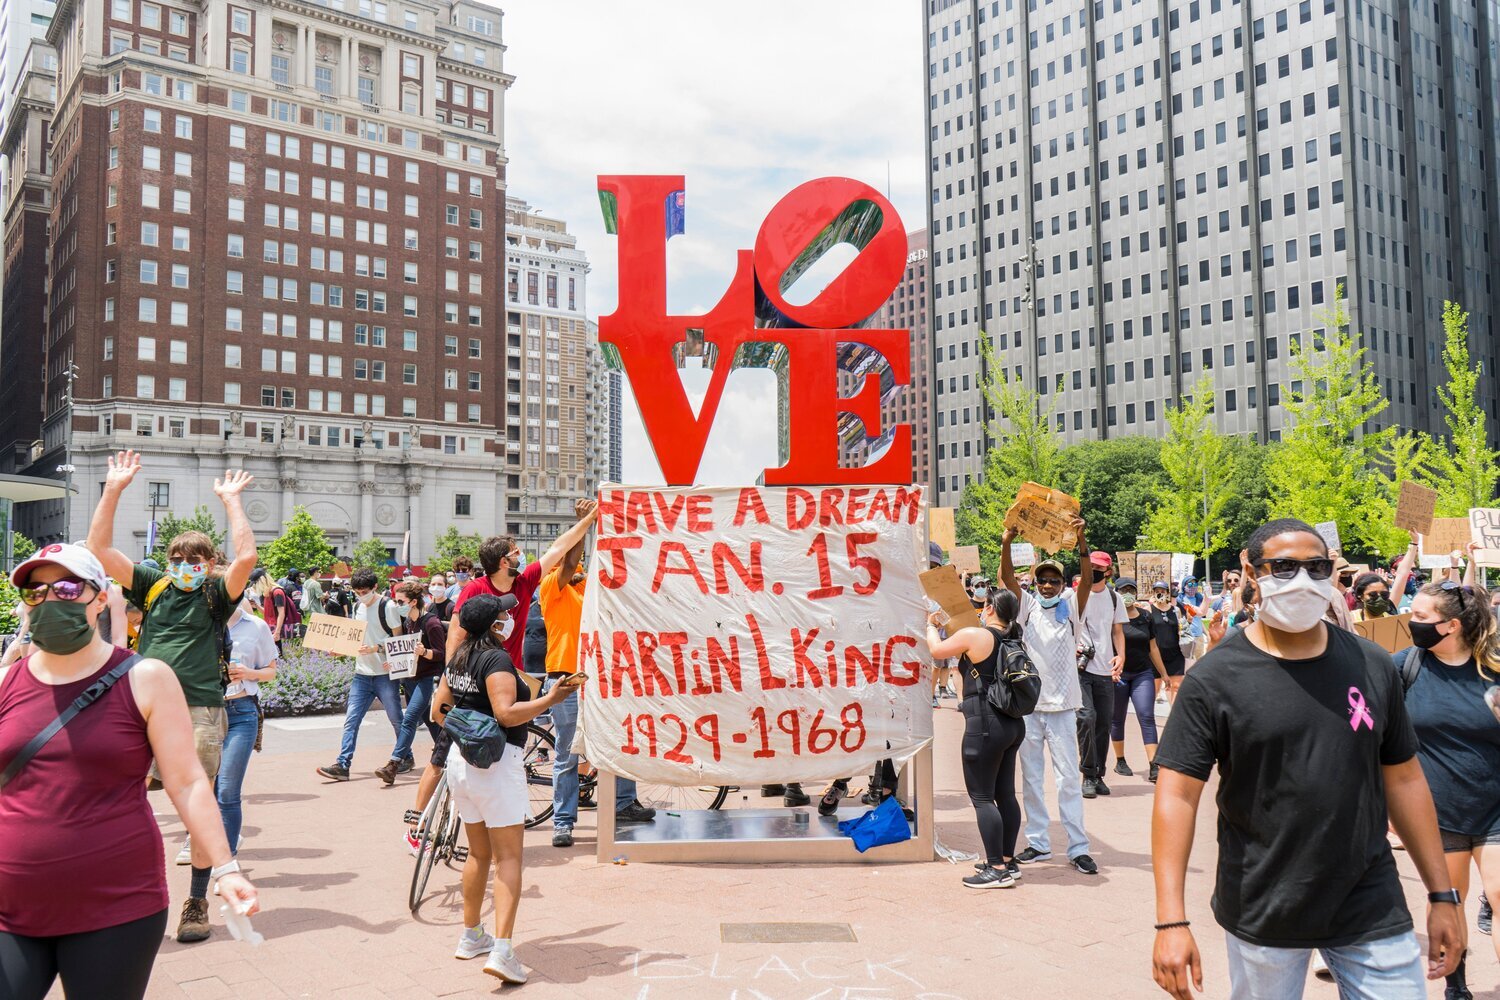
x,y
746,100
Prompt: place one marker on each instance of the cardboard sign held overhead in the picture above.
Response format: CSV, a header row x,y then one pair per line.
x,y
1125,563
1448,535
1414,508
942,585
1484,527
332,634
965,558
1152,567
940,527
1329,530
1043,517
1390,633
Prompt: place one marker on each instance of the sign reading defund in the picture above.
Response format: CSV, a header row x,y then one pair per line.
x,y
755,635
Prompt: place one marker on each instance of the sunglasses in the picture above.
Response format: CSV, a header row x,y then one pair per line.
x,y
1285,569
69,589
1449,587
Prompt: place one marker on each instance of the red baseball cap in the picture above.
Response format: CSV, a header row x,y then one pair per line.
x,y
1101,559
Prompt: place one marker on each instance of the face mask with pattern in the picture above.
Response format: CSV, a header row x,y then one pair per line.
x,y
187,575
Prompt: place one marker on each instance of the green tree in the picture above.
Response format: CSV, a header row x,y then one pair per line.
x,y
1466,470
1198,463
21,547
170,526
373,554
1328,465
1115,482
1025,449
1246,509
449,546
9,598
301,545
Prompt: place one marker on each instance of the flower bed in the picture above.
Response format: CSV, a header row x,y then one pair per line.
x,y
308,682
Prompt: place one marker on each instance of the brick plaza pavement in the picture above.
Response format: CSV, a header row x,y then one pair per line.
x,y
333,874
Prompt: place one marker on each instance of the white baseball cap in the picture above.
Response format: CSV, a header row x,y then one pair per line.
x,y
74,558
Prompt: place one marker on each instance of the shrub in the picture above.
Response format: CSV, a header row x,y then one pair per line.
x,y
9,598
308,682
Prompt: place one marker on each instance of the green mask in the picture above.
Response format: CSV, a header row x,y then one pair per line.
x,y
60,627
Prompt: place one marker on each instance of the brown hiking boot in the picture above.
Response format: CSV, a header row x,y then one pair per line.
x,y
194,923
387,774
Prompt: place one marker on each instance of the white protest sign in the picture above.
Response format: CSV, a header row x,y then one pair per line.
x,y
1329,531
1022,554
401,655
1182,565
752,635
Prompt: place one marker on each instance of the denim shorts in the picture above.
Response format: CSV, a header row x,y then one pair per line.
x,y
1463,843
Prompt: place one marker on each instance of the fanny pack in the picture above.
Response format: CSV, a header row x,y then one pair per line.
x,y
480,739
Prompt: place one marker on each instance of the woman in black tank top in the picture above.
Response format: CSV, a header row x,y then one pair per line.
x,y
991,740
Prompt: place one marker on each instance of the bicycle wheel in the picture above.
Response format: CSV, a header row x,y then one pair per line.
x,y
429,837
538,758
677,798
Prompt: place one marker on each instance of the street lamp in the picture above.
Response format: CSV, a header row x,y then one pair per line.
x,y
70,373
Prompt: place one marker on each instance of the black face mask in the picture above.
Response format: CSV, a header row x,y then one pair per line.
x,y
1425,635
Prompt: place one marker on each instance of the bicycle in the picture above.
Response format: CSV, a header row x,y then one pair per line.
x,y
437,837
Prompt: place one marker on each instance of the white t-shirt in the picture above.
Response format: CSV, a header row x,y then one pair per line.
x,y
1053,647
374,663
250,645
1103,611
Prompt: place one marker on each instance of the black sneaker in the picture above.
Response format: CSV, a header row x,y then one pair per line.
x,y
1151,777
1486,915
335,772
1031,856
406,765
771,791
829,804
635,813
990,878
562,837
1123,769
1014,869
1084,864
795,796
1452,992
1100,786
1089,788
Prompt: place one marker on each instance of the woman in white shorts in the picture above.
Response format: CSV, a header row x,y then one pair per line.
x,y
492,801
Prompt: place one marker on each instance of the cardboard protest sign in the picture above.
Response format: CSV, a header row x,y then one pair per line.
x,y
332,634
1390,633
942,585
965,559
401,655
1448,535
1329,532
1022,554
1484,529
940,527
1152,567
744,635
1043,517
1125,564
1414,508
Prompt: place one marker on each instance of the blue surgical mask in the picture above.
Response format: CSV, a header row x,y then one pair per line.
x,y
1049,602
187,575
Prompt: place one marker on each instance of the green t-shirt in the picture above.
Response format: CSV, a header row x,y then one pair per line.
x,y
180,630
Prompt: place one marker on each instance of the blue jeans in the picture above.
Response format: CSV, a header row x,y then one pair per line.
x,y
365,689
418,693
565,766
1057,733
1388,969
239,742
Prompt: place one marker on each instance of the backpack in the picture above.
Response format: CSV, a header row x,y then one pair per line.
x,y
221,628
1017,686
380,606
291,619
1411,668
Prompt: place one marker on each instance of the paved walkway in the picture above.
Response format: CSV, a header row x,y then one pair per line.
x,y
333,874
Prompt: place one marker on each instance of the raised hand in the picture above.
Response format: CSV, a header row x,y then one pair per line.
x,y
122,469
585,507
233,483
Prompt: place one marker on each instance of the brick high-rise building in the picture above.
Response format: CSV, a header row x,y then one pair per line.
x,y
276,238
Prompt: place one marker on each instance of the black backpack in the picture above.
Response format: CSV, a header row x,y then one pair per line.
x,y
1411,668
1017,686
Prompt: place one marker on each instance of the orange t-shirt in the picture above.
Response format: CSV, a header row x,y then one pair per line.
x,y
562,610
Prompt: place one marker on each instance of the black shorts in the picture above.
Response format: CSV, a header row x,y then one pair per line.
x,y
440,747
1176,665
1463,843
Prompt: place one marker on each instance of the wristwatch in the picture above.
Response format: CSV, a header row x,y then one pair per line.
x,y
1447,896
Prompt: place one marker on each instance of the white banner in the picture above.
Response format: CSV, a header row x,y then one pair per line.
x,y
740,636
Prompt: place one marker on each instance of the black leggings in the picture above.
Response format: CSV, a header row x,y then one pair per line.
x,y
991,742
112,962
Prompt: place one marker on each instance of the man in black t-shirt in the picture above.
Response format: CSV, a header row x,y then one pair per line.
x,y
1308,727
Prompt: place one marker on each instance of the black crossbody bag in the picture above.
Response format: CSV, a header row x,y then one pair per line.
x,y
95,691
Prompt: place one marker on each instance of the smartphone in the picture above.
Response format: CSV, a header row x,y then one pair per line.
x,y
578,678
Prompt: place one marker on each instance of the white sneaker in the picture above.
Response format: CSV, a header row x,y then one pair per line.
x,y
185,856
472,945
506,967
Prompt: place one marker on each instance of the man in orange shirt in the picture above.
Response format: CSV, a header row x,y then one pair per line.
x,y
561,598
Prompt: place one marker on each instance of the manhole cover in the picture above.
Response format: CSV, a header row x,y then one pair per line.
x,y
790,933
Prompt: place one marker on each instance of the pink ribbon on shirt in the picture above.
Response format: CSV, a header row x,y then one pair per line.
x,y
1358,711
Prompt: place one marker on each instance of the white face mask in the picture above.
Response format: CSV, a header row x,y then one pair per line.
x,y
1295,605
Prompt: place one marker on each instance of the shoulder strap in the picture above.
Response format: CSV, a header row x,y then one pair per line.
x,y
380,606
95,691
1411,668
157,589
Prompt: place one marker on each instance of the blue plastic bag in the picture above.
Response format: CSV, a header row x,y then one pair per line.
x,y
885,824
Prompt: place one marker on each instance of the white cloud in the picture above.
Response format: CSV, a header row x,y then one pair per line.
x,y
746,102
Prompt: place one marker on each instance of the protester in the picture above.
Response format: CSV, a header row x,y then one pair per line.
x,y
311,602
1167,630
186,611
463,572
1100,657
275,604
1049,623
372,674
493,801
1136,682
83,893
252,661
1372,596
438,602
417,689
1455,659
1310,733
991,740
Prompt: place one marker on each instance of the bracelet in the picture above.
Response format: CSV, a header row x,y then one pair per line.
x,y
230,867
1173,924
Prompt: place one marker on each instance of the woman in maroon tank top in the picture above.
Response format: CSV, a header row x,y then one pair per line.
x,y
83,892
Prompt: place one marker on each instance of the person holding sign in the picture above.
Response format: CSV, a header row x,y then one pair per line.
x,y
1309,731
432,638
1050,622
372,674
1454,662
